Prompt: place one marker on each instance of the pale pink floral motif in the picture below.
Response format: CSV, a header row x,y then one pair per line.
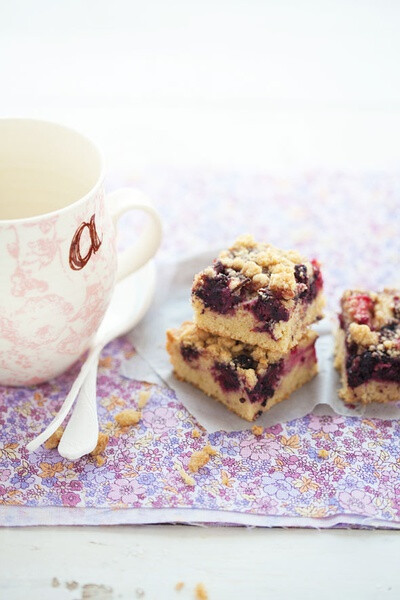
x,y
357,502
325,423
44,249
4,474
160,419
70,499
258,448
126,491
22,283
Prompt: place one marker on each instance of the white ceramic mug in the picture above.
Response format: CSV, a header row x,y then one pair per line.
x,y
58,259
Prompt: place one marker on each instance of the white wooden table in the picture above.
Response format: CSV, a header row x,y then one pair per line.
x,y
272,85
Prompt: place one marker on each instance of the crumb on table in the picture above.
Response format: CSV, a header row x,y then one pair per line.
x,y
128,417
102,442
201,458
179,586
200,592
257,430
54,439
196,433
323,453
144,396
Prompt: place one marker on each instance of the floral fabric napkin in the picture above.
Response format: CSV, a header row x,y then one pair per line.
x,y
320,470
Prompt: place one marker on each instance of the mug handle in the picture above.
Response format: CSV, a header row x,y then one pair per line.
x,y
131,259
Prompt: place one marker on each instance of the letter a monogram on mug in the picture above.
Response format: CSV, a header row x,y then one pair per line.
x,y
59,262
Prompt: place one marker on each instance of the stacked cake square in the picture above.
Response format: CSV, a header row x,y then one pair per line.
x,y
250,345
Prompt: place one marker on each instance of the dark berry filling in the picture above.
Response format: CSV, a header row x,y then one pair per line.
x,y
189,353
226,376
371,365
216,293
244,361
267,309
300,273
266,385
309,288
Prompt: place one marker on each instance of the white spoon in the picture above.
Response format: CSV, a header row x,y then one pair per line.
x,y
130,300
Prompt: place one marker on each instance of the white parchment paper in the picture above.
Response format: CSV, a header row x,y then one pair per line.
x,y
171,306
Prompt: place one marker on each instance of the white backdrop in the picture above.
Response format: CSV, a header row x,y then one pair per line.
x,y
271,84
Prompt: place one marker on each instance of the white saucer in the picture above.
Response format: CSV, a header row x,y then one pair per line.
x,y
131,297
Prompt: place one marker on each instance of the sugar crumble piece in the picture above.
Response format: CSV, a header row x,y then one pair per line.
x,y
196,433
71,585
200,592
105,362
200,458
128,417
257,430
210,450
179,586
102,442
363,335
144,396
54,439
186,477
323,453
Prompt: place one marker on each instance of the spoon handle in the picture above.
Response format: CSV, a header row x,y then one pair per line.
x,y
81,434
68,402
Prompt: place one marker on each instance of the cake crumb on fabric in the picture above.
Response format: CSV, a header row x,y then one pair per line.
x,y
128,417
200,592
323,453
144,396
201,458
186,477
179,586
54,439
102,442
196,433
257,430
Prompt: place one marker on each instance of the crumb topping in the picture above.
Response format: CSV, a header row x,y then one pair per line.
x,y
363,335
128,417
249,360
200,458
261,264
371,321
54,439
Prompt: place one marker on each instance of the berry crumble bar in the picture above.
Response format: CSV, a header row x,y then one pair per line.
x,y
258,294
241,376
368,346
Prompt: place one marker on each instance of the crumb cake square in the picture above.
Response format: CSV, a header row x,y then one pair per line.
x,y
259,294
243,377
368,346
